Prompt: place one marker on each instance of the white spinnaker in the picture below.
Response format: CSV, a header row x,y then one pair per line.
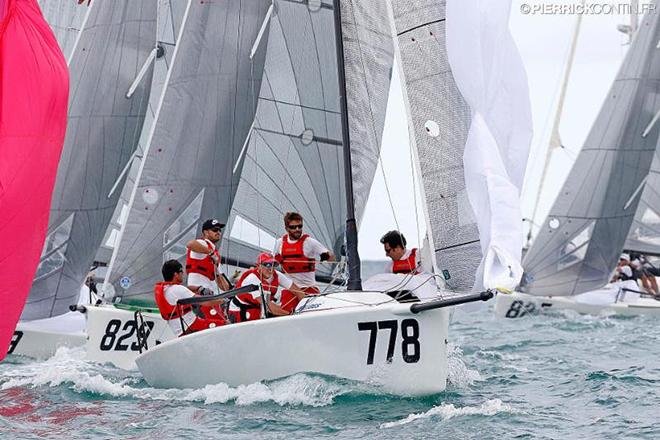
x,y
489,73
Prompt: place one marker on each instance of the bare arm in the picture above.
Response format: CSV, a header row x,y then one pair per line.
x,y
198,247
297,291
222,283
276,310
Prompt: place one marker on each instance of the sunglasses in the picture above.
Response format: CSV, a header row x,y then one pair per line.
x,y
216,229
294,227
269,265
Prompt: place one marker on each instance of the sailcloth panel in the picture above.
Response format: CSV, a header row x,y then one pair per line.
x,y
31,135
207,108
490,74
644,234
102,131
586,229
439,119
65,18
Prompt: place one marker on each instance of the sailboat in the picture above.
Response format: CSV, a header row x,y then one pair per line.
x,y
31,132
106,112
366,335
572,259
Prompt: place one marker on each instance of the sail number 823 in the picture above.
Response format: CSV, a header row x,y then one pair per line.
x,y
410,348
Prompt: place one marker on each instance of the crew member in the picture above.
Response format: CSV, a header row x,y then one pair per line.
x,y
203,259
247,306
170,291
404,261
297,253
623,271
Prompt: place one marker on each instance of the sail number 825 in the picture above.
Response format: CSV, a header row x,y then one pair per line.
x,y
410,348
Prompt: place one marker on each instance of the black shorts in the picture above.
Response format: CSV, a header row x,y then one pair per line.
x,y
652,271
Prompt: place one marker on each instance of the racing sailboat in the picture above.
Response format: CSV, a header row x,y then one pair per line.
x,y
106,112
361,335
578,246
31,132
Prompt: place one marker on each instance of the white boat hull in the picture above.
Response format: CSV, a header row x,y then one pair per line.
x,y
604,301
42,337
112,335
352,341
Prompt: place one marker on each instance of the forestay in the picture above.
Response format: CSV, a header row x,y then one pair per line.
x,y
202,121
293,160
102,132
586,229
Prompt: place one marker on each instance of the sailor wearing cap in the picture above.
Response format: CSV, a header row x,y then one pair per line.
x,y
623,271
203,258
247,306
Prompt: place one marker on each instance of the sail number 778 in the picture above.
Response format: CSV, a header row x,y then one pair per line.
x,y
410,347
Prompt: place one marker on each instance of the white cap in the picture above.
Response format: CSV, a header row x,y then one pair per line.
x,y
624,257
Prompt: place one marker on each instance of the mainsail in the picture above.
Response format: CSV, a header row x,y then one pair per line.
x,y
586,228
31,137
102,131
294,159
644,234
201,123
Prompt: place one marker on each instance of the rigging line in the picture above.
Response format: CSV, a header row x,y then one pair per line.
x,y
414,181
387,190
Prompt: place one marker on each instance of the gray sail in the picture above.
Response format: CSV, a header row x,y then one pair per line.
x,y
439,120
644,235
102,131
203,119
294,159
66,18
580,241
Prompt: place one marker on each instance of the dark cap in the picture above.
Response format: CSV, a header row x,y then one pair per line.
x,y
212,224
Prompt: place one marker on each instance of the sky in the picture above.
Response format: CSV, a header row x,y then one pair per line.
x,y
543,41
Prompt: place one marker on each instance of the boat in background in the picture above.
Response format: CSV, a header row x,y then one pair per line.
x,y
592,219
32,132
107,105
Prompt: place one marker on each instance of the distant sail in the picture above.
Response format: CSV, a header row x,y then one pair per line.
x,y
439,120
491,76
644,233
294,160
31,138
586,229
202,122
102,132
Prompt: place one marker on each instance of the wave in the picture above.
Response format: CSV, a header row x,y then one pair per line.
x,y
458,373
448,411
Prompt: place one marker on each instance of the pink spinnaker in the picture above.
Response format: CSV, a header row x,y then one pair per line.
x,y
34,90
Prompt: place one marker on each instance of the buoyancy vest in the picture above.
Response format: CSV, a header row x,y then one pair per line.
x,y
250,308
167,310
408,265
204,266
293,256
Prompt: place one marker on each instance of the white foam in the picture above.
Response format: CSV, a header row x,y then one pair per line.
x,y
458,374
488,408
69,366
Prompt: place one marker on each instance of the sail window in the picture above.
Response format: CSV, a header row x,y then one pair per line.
x,y
52,257
247,232
575,250
178,249
185,222
650,216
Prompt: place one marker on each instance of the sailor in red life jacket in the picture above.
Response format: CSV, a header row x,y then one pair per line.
x,y
247,306
404,261
167,294
297,254
203,258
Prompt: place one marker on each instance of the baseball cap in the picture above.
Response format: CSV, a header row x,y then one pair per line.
x,y
265,257
624,257
212,224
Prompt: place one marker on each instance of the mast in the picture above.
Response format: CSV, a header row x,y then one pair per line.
x,y
352,255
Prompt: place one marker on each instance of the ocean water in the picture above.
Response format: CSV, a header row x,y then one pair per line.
x,y
564,376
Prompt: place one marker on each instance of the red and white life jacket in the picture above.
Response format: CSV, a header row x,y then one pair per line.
x,y
293,257
249,307
407,265
169,311
204,266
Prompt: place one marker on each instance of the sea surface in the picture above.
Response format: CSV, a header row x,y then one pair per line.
x,y
562,376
